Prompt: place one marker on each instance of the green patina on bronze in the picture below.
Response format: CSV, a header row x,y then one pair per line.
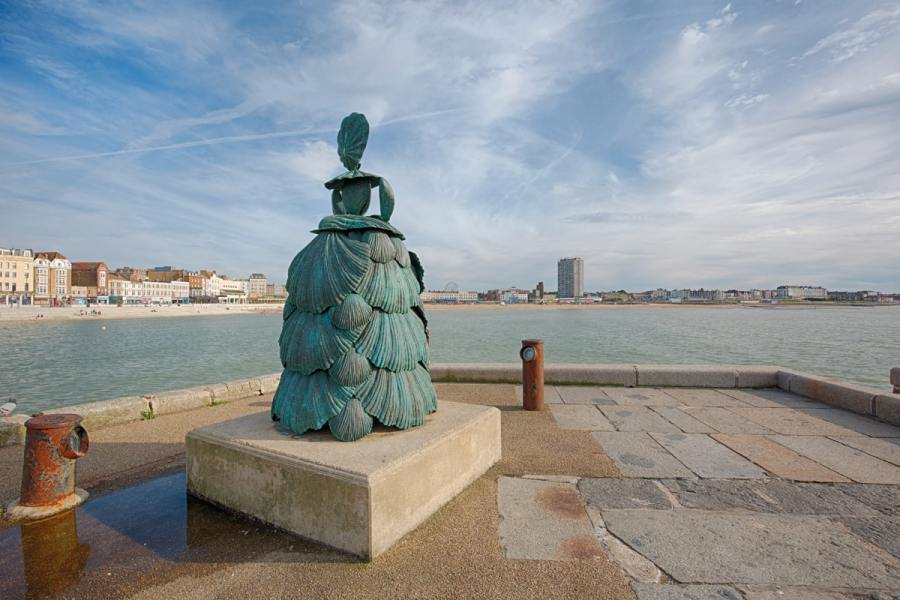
x,y
354,345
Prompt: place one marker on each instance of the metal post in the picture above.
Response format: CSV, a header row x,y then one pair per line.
x,y
895,379
52,444
532,355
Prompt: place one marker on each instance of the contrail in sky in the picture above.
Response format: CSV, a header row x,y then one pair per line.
x,y
232,139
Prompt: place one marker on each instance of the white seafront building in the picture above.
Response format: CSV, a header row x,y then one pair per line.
x,y
148,292
448,296
801,292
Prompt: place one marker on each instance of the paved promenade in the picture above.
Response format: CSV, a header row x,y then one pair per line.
x,y
614,493
751,494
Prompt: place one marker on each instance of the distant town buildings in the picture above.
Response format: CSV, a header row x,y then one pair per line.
x,y
801,292
570,277
16,275
256,285
93,277
125,291
448,296
52,278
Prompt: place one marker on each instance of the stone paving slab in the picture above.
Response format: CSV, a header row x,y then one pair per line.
x,y
706,457
636,454
543,520
605,493
551,394
682,420
571,394
754,592
663,591
641,397
881,531
884,499
725,420
861,424
849,462
887,449
769,496
777,459
703,397
790,421
636,418
772,398
695,546
580,418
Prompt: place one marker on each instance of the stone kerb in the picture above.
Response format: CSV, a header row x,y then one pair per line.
x,y
719,376
12,430
887,408
852,397
104,413
627,375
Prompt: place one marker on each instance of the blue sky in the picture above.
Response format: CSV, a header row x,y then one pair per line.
x,y
673,144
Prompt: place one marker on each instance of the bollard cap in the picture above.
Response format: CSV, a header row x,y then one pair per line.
x,y
532,342
53,421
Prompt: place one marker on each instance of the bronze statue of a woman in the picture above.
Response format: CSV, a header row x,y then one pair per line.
x,y
354,341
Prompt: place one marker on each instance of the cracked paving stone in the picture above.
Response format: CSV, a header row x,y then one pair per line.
x,y
887,449
707,457
859,424
695,546
883,532
636,418
703,397
772,398
883,498
637,454
663,591
791,421
584,395
777,459
725,420
849,462
769,496
641,397
604,493
683,420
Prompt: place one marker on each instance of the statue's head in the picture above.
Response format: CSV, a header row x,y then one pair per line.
x,y
351,191
352,140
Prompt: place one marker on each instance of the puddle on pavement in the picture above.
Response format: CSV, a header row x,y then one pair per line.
x,y
132,531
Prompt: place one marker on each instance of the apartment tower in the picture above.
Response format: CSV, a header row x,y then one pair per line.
x,y
570,275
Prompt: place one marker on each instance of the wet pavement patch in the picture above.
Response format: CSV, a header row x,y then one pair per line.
x,y
133,529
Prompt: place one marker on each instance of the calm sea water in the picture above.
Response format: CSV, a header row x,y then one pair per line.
x,y
67,362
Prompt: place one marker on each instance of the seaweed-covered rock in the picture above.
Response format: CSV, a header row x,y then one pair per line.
x,y
354,342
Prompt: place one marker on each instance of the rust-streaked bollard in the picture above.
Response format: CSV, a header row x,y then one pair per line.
x,y
532,355
52,444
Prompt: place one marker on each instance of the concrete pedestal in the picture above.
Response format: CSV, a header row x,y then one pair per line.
x,y
360,497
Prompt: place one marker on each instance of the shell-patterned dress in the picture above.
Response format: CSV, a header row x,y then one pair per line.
x,y
354,340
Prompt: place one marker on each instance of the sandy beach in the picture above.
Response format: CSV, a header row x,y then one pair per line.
x,y
46,313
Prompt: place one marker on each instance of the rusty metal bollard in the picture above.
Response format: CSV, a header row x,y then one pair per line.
x,y
532,355
52,444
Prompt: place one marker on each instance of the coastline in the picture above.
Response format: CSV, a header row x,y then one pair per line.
x,y
73,313
642,306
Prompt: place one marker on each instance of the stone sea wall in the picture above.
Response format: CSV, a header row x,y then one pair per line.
x,y
864,400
